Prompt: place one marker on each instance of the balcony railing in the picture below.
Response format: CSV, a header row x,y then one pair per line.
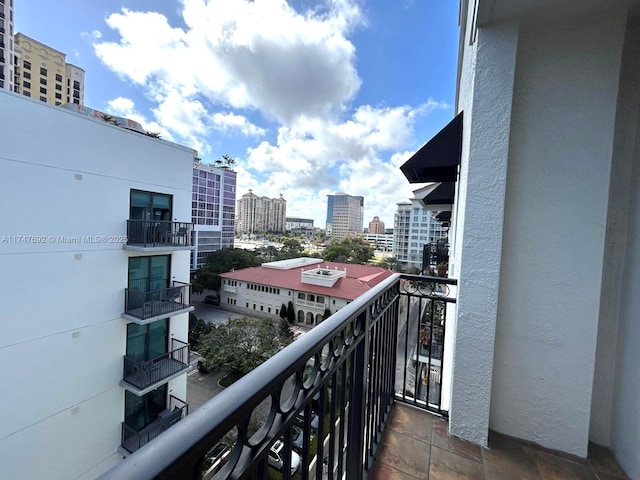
x,y
327,396
143,374
132,440
163,302
154,234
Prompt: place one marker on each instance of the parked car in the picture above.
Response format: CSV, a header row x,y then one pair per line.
x,y
215,459
314,421
276,457
213,299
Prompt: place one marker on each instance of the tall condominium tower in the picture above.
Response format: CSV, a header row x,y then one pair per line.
x,y
213,210
261,214
345,214
43,73
7,51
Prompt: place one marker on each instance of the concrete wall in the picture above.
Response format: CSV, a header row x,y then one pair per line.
x,y
562,126
61,336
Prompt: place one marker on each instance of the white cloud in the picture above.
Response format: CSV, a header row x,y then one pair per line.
x,y
230,121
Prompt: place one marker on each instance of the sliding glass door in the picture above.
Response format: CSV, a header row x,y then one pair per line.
x,y
148,274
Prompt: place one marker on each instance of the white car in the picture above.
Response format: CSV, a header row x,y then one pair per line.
x,y
276,457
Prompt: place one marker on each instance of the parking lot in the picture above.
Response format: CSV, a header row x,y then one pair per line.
x,y
210,313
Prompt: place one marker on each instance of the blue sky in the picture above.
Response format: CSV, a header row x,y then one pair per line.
x,y
311,97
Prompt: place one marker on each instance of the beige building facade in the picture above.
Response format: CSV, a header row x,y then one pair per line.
x,y
42,72
260,214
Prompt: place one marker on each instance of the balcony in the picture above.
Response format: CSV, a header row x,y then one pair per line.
x,y
132,440
348,371
152,235
144,307
140,377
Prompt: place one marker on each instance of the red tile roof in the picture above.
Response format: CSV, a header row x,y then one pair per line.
x,y
359,278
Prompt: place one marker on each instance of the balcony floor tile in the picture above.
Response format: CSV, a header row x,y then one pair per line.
x,y
415,445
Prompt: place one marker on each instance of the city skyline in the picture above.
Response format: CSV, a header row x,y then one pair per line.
x,y
336,104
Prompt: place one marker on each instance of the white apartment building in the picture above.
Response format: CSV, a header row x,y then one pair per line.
x,y
295,223
382,242
414,226
95,318
260,214
7,47
213,210
311,284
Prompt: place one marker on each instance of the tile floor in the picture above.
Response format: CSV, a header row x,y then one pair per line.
x,y
415,444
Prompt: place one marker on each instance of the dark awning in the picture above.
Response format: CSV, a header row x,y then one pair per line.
x,y
443,194
438,159
444,216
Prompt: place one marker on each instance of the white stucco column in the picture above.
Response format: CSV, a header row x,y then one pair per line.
x,y
485,97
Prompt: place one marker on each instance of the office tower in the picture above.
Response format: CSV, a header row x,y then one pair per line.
x,y
213,209
376,226
345,214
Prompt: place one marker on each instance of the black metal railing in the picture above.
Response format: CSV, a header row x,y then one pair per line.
x,y
142,374
163,301
320,405
152,233
132,440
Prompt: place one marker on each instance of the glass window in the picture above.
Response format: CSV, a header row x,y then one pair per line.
x,y
141,411
43,99
26,84
27,75
43,81
27,65
58,77
149,273
58,87
150,206
43,71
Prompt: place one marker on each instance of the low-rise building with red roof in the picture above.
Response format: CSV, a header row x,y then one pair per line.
x,y
311,284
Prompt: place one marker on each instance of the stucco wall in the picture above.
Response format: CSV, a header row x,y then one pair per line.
x,y
562,126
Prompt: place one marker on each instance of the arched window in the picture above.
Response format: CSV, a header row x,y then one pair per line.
x,y
300,316
309,318
318,318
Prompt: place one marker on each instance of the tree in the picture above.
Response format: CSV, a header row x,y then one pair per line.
x,y
286,335
291,314
197,328
222,261
283,311
348,250
326,314
241,345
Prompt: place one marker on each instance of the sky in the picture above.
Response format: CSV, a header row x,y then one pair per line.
x,y
310,97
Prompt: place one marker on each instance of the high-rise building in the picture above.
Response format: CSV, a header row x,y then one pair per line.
x,y
376,226
99,369
414,226
7,48
261,214
43,73
213,210
345,214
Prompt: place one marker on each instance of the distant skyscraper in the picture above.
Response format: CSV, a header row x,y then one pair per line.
x,y
345,214
42,72
261,214
7,49
213,210
376,226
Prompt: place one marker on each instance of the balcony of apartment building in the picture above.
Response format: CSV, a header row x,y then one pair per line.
x,y
152,359
133,439
146,303
365,394
150,228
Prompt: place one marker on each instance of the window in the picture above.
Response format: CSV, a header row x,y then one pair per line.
x,y
58,103
26,65
26,84
43,81
43,99
76,85
76,101
150,206
59,96
76,94
141,411
27,75
43,71
26,94
58,87
43,90
58,77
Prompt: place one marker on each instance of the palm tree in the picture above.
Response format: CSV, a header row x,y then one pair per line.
x,y
110,119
